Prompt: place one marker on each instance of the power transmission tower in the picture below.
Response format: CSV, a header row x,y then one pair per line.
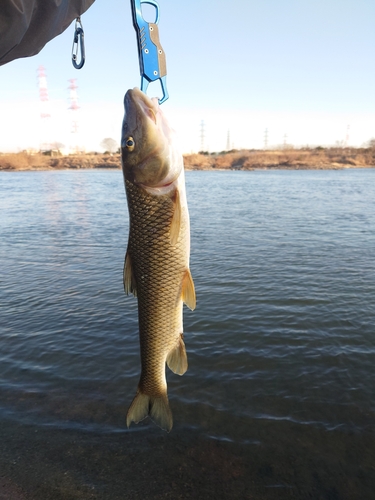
x,y
45,116
347,136
73,101
266,139
202,135
228,141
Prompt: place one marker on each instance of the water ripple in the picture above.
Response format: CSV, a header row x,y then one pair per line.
x,y
284,266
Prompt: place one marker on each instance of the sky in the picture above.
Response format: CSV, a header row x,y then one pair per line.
x,y
303,70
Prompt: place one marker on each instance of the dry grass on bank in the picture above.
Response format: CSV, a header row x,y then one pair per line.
x,y
319,158
38,161
23,161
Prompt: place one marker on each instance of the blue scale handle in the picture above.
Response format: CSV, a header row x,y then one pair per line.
x,y
152,60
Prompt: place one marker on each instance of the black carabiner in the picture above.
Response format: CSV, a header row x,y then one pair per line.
x,y
78,43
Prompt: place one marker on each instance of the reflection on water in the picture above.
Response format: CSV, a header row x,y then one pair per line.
x,y
281,346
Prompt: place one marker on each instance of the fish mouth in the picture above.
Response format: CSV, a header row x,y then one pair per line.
x,y
149,107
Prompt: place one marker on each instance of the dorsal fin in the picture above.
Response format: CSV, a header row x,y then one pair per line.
x,y
188,290
130,285
176,219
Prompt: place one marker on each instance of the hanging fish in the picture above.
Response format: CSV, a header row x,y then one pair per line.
x,y
156,268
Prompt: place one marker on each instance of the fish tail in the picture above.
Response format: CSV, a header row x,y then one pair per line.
x,y
156,407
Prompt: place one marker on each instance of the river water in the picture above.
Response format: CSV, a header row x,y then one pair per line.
x,y
278,400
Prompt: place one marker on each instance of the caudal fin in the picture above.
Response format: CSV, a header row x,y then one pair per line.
x,y
155,407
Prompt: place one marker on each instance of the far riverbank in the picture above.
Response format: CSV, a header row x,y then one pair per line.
x,y
292,159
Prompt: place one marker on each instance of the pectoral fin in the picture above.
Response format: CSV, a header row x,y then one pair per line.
x,y
130,285
176,220
188,291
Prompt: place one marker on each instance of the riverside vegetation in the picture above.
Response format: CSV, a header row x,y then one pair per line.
x,y
244,159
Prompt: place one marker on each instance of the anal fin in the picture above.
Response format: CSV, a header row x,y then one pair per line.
x,y
177,358
188,290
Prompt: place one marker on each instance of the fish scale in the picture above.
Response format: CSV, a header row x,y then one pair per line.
x,y
158,269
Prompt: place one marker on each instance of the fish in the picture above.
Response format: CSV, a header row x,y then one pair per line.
x,y
156,267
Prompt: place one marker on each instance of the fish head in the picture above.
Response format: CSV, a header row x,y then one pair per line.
x,y
149,154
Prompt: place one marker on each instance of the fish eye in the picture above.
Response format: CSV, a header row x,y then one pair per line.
x,y
130,144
